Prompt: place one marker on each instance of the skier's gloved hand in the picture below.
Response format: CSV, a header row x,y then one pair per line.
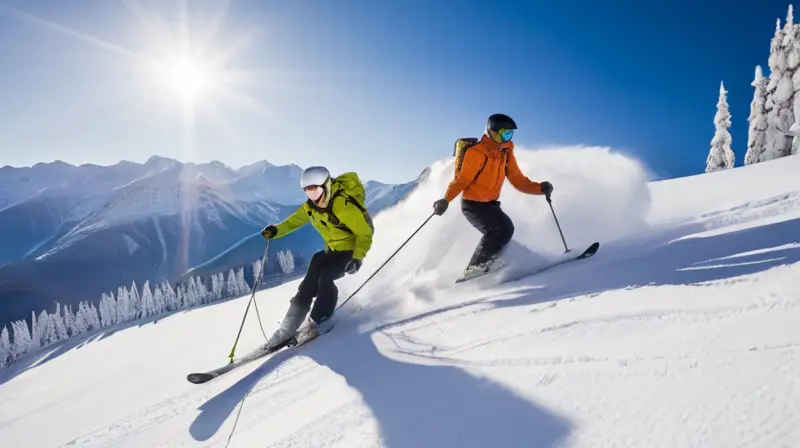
x,y
269,231
440,206
352,266
547,188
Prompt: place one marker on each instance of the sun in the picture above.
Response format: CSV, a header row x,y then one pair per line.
x,y
186,78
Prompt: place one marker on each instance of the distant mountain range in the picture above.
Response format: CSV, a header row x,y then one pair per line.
x,y
69,233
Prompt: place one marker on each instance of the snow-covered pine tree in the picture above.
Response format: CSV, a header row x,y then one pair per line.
x,y
81,326
286,261
46,329
179,295
169,296
5,348
51,331
21,338
215,295
721,157
69,320
124,309
221,285
134,301
193,294
159,302
107,310
282,261
231,288
256,272
58,319
780,92
93,317
241,283
289,262
756,139
147,306
202,290
792,48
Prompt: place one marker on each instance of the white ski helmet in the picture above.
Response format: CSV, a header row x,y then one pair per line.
x,y
315,176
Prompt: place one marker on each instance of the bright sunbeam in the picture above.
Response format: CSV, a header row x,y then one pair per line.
x,y
182,63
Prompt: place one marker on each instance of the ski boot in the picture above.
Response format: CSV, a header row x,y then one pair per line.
x,y
310,330
473,271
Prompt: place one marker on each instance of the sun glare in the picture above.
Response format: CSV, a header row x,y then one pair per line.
x,y
186,78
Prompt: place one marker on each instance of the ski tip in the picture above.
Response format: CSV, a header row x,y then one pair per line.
x,y
591,250
199,378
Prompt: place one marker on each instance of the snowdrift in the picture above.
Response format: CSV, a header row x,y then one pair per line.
x,y
599,195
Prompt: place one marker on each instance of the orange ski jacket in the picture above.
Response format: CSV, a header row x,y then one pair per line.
x,y
485,167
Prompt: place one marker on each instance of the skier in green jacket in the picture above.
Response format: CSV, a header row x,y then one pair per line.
x,y
335,207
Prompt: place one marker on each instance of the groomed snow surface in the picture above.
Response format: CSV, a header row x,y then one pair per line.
x,y
682,331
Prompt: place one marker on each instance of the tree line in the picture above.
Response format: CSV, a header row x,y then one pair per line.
x,y
128,304
774,120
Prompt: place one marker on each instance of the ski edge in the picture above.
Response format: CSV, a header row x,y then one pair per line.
x,y
204,377
588,252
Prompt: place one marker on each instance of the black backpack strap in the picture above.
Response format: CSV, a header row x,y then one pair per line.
x,y
333,219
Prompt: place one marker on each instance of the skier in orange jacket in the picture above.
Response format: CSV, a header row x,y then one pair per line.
x,y
481,170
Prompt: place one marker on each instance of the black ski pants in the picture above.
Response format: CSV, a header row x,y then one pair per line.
x,y
323,269
493,223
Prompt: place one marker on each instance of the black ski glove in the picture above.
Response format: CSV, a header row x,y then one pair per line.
x,y
352,266
547,188
440,206
269,232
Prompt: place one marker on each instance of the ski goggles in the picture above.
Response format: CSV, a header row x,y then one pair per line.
x,y
314,192
506,134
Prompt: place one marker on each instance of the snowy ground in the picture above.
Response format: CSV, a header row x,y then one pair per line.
x,y
682,331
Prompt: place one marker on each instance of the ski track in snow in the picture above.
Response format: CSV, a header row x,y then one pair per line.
x,y
699,351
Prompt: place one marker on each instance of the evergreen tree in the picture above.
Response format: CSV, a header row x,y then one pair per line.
x,y
69,320
756,140
5,348
124,309
256,272
241,283
780,92
58,319
721,156
92,317
147,306
21,337
231,288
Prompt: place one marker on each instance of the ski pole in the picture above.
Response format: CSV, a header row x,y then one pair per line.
x,y
557,224
256,285
387,260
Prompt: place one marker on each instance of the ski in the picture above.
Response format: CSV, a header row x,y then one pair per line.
x,y
204,377
591,250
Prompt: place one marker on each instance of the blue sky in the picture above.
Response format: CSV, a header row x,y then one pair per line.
x,y
382,88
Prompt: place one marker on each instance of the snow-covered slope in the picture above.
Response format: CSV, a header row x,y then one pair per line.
x,y
681,331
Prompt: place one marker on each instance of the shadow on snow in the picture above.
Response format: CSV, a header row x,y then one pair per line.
x,y
414,405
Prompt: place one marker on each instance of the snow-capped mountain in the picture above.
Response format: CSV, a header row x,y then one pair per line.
x,y
681,331
264,181
88,231
381,196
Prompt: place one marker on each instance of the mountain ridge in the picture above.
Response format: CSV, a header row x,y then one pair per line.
x,y
156,221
